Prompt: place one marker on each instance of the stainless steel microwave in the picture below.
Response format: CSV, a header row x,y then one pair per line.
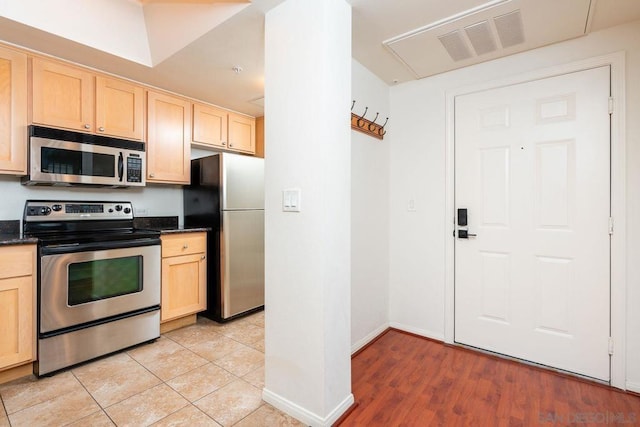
x,y
60,157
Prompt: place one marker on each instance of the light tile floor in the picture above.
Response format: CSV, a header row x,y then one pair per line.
x,y
207,374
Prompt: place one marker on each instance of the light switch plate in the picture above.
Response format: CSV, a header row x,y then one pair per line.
x,y
291,200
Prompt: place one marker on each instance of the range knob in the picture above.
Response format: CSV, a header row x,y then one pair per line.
x,y
127,210
45,210
56,208
118,208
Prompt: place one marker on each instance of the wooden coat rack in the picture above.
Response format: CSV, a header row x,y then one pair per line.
x,y
366,126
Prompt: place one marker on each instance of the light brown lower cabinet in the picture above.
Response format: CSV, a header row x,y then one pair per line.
x,y
184,275
17,308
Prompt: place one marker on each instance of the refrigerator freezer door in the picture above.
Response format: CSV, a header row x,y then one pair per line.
x,y
242,261
242,178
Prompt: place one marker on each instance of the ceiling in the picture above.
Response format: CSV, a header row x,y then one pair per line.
x,y
196,54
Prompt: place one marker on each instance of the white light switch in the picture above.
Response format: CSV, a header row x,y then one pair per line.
x,y
291,200
411,205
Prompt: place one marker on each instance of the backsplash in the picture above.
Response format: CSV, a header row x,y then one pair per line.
x,y
154,200
10,227
156,222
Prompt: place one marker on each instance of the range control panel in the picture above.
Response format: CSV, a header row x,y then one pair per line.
x,y
41,210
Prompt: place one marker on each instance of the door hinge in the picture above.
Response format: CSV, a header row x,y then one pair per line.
x,y
610,346
610,226
611,105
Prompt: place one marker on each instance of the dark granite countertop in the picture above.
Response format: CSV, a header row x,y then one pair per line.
x,y
10,234
184,230
16,239
164,224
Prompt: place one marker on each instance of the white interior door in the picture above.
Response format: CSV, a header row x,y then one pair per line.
x,y
532,168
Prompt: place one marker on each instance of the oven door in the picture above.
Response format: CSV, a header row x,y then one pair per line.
x,y
79,285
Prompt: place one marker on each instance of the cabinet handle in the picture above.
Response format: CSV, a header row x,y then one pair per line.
x,y
202,257
185,246
224,142
151,175
101,129
230,145
87,126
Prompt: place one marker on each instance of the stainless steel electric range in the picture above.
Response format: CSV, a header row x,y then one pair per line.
x,y
98,281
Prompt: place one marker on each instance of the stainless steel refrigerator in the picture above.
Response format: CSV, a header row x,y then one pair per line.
x,y
226,194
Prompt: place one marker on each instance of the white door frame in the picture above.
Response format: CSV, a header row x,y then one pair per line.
x,y
618,200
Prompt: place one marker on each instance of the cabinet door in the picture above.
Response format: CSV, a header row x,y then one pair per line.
x,y
17,335
184,286
168,139
260,137
242,133
62,96
209,126
13,112
119,108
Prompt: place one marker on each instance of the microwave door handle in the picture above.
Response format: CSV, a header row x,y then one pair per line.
x,y
120,166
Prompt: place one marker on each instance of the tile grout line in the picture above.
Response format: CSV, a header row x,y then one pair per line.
x,y
213,362
236,378
233,376
92,397
161,382
6,414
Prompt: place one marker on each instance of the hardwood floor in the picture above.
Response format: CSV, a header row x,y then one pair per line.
x,y
404,380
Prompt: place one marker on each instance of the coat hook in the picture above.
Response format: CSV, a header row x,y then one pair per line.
x,y
372,125
361,119
381,130
353,103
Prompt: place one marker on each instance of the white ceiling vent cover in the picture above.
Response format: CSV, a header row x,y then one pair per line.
x,y
455,45
481,37
488,31
509,28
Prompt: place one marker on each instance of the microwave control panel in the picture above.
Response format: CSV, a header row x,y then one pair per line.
x,y
134,169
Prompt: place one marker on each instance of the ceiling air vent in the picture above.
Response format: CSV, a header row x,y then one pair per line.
x,y
481,37
509,28
454,43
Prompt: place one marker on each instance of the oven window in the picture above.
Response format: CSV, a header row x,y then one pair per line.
x,y
72,162
104,278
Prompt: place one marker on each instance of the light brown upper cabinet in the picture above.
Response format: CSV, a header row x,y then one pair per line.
x,y
209,126
168,139
260,137
73,98
218,128
119,108
242,133
13,112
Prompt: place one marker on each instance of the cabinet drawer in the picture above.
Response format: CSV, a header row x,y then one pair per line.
x,y
183,244
16,261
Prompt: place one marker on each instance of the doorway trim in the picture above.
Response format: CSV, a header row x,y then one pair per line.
x,y
618,254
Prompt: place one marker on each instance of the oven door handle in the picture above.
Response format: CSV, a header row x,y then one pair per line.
x,y
98,246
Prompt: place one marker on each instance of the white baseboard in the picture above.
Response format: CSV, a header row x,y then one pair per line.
x,y
633,386
302,414
439,336
367,339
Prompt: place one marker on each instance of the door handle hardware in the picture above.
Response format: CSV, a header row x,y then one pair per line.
x,y
462,217
464,234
